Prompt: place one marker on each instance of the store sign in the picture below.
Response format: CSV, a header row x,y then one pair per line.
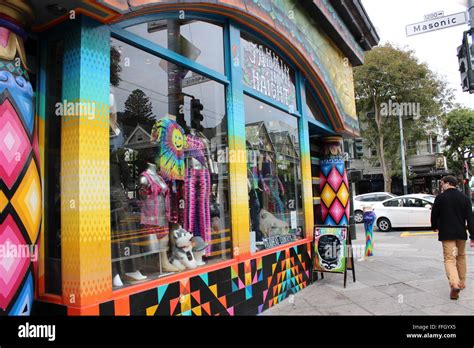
x,y
271,242
330,249
265,72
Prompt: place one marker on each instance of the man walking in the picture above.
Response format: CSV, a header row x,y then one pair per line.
x,y
451,210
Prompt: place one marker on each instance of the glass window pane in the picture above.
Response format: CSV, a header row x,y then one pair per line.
x,y
52,187
164,175
202,42
312,109
267,73
274,174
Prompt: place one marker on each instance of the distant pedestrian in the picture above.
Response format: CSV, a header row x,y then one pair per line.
x,y
451,211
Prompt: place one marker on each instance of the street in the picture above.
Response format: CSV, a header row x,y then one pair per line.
x,y
405,277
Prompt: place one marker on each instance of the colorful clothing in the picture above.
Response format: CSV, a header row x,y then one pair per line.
x,y
197,191
170,157
155,207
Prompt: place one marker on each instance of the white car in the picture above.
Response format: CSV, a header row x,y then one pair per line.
x,y
368,199
404,211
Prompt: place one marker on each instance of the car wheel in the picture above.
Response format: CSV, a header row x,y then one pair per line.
x,y
384,224
358,216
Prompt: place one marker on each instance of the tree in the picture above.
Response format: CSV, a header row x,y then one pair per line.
x,y
138,110
392,81
459,124
115,68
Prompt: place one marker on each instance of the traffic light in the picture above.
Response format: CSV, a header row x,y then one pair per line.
x,y
410,170
196,116
358,149
465,59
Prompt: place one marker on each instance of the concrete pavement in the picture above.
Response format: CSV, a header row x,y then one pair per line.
x,y
404,277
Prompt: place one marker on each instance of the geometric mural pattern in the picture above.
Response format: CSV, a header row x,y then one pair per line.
x,y
246,288
20,184
334,186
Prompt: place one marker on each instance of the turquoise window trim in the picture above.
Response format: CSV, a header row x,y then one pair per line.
x,y
170,15
173,57
267,100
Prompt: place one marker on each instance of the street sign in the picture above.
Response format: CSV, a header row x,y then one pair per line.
x,y
434,15
437,24
193,80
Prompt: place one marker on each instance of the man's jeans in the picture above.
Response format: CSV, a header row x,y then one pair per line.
x,y
455,262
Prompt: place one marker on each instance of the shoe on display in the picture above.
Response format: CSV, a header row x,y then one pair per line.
x,y
117,281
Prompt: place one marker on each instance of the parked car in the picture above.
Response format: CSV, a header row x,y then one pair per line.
x,y
364,199
404,211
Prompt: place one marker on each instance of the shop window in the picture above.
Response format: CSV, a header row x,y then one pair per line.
x,y
52,188
267,73
274,175
169,193
313,111
202,42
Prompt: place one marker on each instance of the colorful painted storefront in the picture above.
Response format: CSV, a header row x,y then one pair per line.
x,y
171,158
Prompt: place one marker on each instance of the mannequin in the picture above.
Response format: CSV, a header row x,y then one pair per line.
x,y
197,182
155,213
121,223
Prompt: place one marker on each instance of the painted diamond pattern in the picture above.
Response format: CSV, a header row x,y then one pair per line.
x,y
337,211
328,195
334,179
343,194
3,201
27,201
13,262
14,144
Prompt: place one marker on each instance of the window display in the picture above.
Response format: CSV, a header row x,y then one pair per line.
x,y
169,193
274,174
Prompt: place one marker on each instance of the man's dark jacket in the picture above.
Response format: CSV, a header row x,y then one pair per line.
x,y
450,212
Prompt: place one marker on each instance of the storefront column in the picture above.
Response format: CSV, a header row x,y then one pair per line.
x,y
334,186
240,220
306,178
20,183
85,199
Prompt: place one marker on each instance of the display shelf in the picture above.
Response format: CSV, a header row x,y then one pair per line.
x,y
316,200
315,160
315,180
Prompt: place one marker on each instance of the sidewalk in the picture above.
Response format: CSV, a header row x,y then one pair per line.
x,y
405,277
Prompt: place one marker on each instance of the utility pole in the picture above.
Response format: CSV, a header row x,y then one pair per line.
x,y
471,12
402,152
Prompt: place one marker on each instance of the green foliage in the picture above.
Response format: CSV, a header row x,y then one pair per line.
x,y
138,110
115,68
460,139
391,75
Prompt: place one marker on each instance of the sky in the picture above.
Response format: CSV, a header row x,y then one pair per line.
x,y
437,48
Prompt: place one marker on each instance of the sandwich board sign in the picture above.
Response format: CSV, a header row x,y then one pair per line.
x,y
437,23
332,251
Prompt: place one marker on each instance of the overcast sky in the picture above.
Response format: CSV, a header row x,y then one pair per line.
x,y
437,48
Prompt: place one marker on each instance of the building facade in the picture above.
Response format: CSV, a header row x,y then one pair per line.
x,y
167,157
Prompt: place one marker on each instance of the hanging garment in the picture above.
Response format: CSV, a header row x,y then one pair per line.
x,y
172,144
155,208
197,190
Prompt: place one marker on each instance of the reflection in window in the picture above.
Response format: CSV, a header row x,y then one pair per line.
x,y
313,111
264,71
274,174
169,194
199,41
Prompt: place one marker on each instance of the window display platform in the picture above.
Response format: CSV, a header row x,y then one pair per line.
x,y
236,287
